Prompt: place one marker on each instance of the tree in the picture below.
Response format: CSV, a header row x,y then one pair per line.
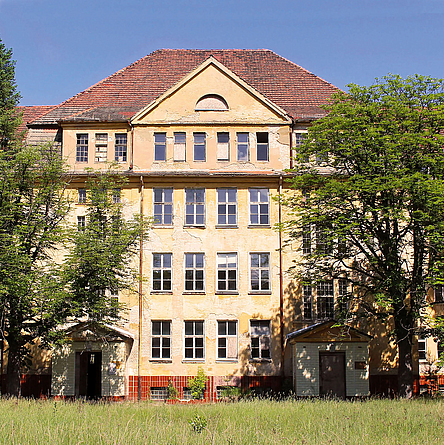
x,y
10,118
32,211
101,249
371,177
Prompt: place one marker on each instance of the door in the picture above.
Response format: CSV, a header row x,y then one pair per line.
x,y
332,374
89,374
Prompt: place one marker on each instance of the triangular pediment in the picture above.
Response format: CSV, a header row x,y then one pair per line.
x,y
92,331
328,331
211,78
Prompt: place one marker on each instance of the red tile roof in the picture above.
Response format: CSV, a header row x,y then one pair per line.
x,y
297,91
31,113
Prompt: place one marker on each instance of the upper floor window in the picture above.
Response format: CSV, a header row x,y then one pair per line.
x,y
325,303
227,272
211,102
223,146
260,336
299,139
195,207
163,206
194,340
82,148
243,147
161,339
259,207
227,206
160,146
260,271
308,302
199,147
227,340
262,147
180,140
120,147
194,272
101,154
162,271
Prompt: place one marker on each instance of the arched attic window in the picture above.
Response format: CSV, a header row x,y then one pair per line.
x,y
211,102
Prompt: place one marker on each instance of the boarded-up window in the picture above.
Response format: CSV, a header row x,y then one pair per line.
x,y
223,146
179,146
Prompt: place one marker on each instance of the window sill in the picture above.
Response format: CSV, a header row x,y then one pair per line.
x,y
260,292
160,360
227,226
260,360
259,226
165,292
227,360
193,360
193,292
162,226
227,292
194,226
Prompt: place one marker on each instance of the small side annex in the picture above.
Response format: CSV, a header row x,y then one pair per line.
x,y
330,360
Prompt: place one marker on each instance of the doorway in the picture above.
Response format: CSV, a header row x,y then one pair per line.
x,y
332,374
89,374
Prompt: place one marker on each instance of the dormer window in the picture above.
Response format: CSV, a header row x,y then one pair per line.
x,y
211,102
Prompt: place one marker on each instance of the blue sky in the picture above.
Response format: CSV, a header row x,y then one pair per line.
x,y
65,46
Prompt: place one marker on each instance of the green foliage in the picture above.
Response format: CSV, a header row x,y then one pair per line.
x,y
173,393
100,253
10,118
198,423
374,199
197,384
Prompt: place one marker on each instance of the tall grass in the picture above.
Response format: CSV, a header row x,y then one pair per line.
x,y
247,422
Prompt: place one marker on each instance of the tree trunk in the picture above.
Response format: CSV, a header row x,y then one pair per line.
x,y
405,367
13,376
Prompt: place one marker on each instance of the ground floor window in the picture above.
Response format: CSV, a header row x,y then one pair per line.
x,y
159,393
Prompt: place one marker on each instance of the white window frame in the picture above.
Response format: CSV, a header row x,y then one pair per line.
x,y
163,205
194,337
82,147
263,339
158,393
164,340
81,223
194,269
222,146
227,341
222,266
160,147
121,147
299,137
325,298
180,147
164,270
243,143
226,205
101,147
81,196
261,270
307,309
194,206
258,205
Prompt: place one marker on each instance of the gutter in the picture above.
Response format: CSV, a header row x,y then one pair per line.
x,y
139,342
281,282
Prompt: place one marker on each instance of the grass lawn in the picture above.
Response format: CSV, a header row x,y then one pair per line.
x,y
247,422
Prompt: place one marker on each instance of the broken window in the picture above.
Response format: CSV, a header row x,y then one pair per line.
x,y
243,148
101,154
227,340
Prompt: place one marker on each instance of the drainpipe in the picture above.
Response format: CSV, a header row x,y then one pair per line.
x,y
132,150
291,147
281,281
139,346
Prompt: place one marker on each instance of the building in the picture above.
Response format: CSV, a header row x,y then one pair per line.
x,y
204,138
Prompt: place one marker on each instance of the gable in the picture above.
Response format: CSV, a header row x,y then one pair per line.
x,y
211,94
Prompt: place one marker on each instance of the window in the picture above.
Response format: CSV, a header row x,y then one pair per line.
x,y
211,102
82,196
343,294
227,206
161,339
299,139
163,206
101,154
162,271
82,148
223,146
325,303
260,271
194,340
194,272
227,272
306,239
260,339
438,293
199,147
259,207
120,147
324,245
180,143
158,393
116,196
227,340
195,207
422,351
160,146
243,149
308,302
81,223
262,146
